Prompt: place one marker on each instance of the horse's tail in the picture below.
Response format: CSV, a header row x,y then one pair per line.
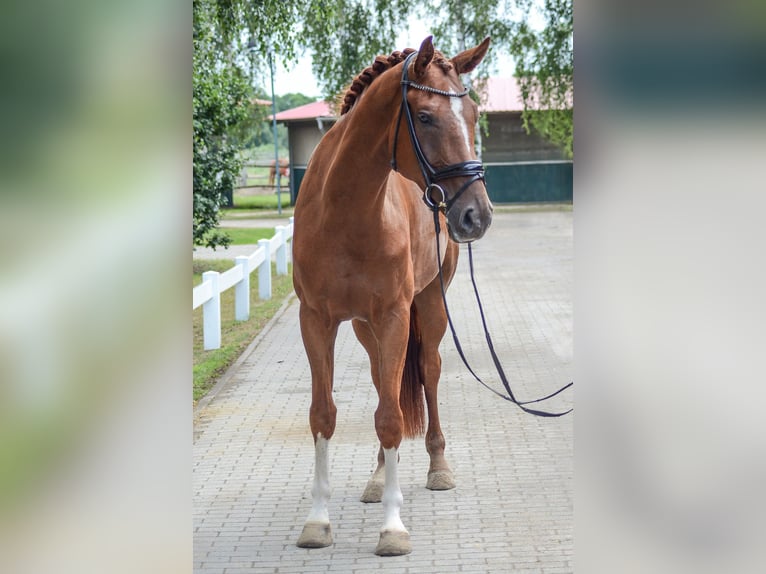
x,y
411,394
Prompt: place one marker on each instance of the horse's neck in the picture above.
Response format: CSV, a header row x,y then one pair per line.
x,y
360,164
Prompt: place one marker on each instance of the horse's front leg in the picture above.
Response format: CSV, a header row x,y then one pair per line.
x,y
392,332
319,341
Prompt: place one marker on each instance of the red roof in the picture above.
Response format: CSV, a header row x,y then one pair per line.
x,y
310,111
502,95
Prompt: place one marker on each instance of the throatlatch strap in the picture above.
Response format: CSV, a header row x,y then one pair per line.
x,y
510,397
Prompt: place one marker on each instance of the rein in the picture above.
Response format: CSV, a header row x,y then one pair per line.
x,y
510,396
474,170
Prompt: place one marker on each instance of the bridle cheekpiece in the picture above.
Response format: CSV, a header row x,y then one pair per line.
x,y
472,169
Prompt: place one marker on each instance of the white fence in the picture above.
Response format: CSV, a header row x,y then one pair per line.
x,y
208,293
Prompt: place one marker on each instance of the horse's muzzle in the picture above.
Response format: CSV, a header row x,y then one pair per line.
x,y
469,222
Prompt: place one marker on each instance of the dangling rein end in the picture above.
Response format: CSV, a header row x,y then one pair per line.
x,y
496,360
509,397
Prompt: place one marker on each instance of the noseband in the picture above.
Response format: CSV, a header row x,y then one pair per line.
x,y
472,169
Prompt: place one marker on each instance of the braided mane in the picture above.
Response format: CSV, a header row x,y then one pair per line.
x,y
380,65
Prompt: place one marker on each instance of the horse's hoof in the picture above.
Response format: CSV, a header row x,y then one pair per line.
x,y
373,492
315,535
440,480
393,543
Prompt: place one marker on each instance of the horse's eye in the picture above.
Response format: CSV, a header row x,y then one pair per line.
x,y
424,118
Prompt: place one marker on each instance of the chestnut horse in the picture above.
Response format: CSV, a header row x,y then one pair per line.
x,y
283,169
364,250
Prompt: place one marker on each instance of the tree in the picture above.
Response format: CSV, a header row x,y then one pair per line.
x,y
292,100
346,35
545,68
462,24
222,76
219,96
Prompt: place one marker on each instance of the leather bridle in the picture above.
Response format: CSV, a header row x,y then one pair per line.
x,y
473,169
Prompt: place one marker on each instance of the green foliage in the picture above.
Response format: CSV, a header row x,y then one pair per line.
x,y
462,24
220,101
545,68
346,35
292,100
270,24
224,119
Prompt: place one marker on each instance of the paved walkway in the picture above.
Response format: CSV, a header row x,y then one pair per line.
x,y
512,508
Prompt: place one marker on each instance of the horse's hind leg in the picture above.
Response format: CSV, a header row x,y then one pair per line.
x,y
385,340
387,351
319,341
373,491
392,332
433,324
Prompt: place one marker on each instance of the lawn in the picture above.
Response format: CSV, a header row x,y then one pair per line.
x,y
247,235
235,335
260,201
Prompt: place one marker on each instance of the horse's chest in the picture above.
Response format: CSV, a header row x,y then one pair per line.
x,y
367,276
353,284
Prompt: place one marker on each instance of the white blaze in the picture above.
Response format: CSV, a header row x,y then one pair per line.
x,y
457,108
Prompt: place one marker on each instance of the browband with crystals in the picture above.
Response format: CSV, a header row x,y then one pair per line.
x,y
436,91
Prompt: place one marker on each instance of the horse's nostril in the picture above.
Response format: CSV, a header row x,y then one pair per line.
x,y
469,220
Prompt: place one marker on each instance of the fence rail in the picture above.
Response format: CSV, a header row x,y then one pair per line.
x,y
208,293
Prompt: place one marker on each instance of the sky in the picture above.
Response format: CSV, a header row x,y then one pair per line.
x,y
299,77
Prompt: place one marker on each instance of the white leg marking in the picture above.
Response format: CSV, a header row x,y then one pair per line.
x,y
457,108
320,490
392,494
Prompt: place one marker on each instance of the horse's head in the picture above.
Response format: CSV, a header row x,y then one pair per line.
x,y
441,120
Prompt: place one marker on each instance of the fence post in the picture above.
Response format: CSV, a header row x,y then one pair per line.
x,y
211,314
264,272
281,251
242,290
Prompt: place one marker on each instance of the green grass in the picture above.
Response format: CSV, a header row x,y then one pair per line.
x,y
248,235
240,214
260,201
235,335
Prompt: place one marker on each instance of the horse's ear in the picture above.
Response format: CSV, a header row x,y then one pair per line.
x,y
425,55
466,61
